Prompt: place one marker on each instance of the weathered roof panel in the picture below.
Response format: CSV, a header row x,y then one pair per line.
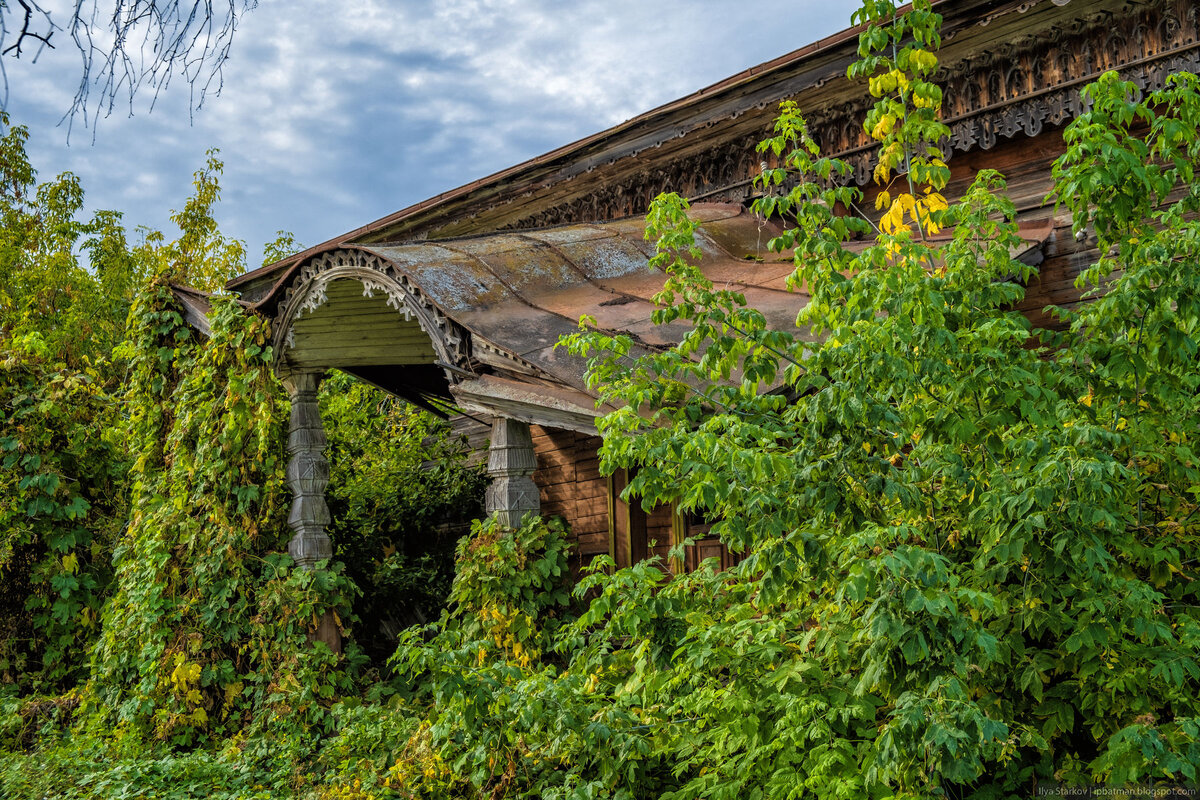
x,y
520,293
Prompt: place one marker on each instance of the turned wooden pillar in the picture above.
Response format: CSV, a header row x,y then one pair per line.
x,y
308,475
511,463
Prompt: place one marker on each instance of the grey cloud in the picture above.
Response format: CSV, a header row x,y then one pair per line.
x,y
335,114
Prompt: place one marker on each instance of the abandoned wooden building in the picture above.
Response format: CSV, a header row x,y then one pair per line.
x,y
460,300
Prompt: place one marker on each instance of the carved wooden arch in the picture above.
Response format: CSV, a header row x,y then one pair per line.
x,y
377,275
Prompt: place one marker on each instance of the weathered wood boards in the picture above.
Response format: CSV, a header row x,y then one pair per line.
x,y
352,329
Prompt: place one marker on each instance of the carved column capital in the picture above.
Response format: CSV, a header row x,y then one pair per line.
x,y
511,463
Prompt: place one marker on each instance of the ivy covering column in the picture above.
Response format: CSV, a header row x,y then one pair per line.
x,y
511,463
308,475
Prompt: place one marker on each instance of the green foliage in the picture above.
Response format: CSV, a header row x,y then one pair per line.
x,y
487,674
61,476
968,546
400,495
202,257
78,311
284,245
155,637
208,623
61,468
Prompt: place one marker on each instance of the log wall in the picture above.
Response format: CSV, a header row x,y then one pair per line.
x,y
568,477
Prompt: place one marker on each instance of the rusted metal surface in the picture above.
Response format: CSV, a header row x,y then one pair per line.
x,y
521,292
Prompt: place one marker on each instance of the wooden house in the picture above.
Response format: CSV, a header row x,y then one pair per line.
x,y
458,301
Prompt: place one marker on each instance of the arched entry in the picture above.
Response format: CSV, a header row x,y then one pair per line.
x,y
352,310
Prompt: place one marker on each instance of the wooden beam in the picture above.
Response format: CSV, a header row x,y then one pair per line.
x,y
537,404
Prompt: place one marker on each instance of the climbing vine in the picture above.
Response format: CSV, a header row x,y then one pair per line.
x,y
208,622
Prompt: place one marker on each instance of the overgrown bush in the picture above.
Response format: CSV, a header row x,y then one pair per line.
x,y
401,496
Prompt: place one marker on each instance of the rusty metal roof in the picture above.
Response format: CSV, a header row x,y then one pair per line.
x,y
521,292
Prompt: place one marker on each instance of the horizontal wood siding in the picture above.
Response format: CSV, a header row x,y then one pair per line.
x,y
571,487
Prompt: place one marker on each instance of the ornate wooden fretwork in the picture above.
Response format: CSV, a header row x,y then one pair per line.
x,y
1025,85
377,276
1020,87
488,353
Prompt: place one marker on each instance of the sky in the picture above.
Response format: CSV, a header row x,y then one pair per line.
x,y
334,114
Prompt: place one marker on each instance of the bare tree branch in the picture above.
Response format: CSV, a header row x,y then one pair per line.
x,y
140,43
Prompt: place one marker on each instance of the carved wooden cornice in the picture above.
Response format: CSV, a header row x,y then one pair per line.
x,y
1018,87
307,293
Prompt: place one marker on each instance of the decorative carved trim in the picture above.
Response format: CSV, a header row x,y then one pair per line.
x,y
1016,88
1033,82
488,353
308,293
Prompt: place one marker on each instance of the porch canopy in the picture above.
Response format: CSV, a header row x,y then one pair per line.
x,y
476,320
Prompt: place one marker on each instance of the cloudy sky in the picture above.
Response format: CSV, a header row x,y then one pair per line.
x,y
334,114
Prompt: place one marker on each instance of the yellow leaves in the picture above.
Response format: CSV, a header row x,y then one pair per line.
x,y
883,199
893,220
933,202
70,563
919,210
882,172
184,673
884,127
894,82
923,60
1087,399
185,679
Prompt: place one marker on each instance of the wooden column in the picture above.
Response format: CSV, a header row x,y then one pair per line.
x,y
308,475
511,463
626,524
